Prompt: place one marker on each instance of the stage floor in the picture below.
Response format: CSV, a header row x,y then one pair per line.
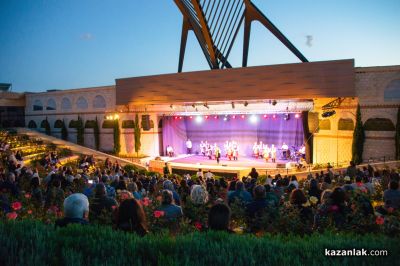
x,y
245,162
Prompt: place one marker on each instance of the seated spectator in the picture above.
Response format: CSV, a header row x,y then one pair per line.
x,y
170,186
101,202
183,190
131,217
294,182
253,173
239,194
259,203
55,195
171,211
76,210
133,188
198,195
391,196
37,195
327,183
110,190
10,185
299,200
358,184
270,197
314,191
219,218
369,185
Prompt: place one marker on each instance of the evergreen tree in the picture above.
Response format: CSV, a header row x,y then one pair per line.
x,y
117,144
358,138
47,127
80,140
64,131
96,133
137,135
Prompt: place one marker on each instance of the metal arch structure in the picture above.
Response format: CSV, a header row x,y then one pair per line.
x,y
216,24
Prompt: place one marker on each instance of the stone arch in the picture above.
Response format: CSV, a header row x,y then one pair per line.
x,y
51,105
32,124
37,105
379,124
346,124
81,103
99,102
66,104
392,91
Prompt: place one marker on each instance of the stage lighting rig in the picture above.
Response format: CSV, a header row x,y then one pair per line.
x,y
245,104
274,102
206,105
193,105
286,117
233,105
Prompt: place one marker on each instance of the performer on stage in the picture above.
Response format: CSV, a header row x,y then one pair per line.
x,y
203,148
302,151
235,147
285,149
266,153
273,153
230,153
189,146
170,151
209,151
226,148
256,150
217,153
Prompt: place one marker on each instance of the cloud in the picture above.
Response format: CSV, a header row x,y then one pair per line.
x,y
87,36
309,40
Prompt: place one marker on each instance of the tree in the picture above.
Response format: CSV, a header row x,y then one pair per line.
x,y
64,131
80,140
397,136
117,144
96,133
358,138
137,135
47,127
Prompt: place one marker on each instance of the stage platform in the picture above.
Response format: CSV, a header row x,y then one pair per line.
x,y
191,164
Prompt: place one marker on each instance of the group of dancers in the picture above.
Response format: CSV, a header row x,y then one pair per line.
x,y
231,151
212,151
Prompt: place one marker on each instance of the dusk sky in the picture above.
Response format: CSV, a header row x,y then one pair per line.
x,y
55,44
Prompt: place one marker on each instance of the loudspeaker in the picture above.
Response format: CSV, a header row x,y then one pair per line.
x,y
146,122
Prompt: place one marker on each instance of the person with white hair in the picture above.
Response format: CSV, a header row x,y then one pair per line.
x,y
199,195
76,210
168,185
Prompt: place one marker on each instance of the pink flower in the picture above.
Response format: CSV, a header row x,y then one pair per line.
x,y
16,205
390,210
29,211
114,207
27,195
198,225
146,201
334,208
379,220
12,215
158,214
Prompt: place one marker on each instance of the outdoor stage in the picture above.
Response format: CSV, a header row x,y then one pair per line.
x,y
192,163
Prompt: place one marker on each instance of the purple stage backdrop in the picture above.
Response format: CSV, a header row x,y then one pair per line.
x,y
242,130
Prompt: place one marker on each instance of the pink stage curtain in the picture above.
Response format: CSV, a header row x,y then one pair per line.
x,y
268,130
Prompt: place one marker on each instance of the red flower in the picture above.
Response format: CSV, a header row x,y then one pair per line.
x,y
28,196
198,225
12,215
158,214
334,208
146,201
114,207
379,220
16,205
29,211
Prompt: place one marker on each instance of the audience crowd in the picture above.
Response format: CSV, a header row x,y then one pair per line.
x,y
89,191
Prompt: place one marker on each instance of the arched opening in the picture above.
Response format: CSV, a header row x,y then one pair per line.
x,y
37,105
99,102
51,105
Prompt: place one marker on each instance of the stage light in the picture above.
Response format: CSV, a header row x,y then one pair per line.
x,y
274,102
190,117
273,116
206,116
206,105
172,106
215,117
297,115
265,116
176,117
193,105
253,119
242,116
233,105
245,104
199,119
328,113
286,117
225,118
180,117
234,116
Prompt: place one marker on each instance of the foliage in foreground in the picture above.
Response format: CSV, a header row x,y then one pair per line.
x,y
33,243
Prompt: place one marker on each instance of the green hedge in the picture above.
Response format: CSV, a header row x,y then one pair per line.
x,y
33,243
